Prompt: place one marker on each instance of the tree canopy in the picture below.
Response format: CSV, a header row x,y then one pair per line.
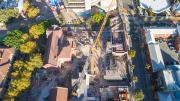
x,y
97,18
135,79
132,53
25,37
26,5
28,47
149,11
36,30
21,75
6,14
139,96
35,61
32,12
13,39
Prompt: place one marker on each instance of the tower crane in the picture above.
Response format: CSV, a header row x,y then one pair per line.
x,y
91,66
93,69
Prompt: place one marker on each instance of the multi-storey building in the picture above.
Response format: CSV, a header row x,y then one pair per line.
x,y
82,5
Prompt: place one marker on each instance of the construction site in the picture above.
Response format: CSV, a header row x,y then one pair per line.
x,y
93,65
104,74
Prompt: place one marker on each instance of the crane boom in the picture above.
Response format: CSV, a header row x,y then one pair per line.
x,y
92,59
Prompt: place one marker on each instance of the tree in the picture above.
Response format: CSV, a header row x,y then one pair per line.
x,y
139,96
148,66
6,14
36,60
132,67
15,74
36,30
149,11
132,53
26,5
12,93
26,74
20,84
135,79
97,17
28,47
25,37
18,64
13,39
32,12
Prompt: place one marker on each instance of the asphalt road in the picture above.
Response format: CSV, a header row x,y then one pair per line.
x,y
144,82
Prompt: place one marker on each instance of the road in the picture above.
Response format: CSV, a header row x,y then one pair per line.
x,y
144,81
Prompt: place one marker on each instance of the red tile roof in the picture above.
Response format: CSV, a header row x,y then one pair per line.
x,y
5,54
59,94
58,48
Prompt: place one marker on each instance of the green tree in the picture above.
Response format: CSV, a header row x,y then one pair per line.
x,y
32,12
135,79
149,11
97,18
6,14
25,37
28,47
148,66
36,30
12,93
18,64
139,96
132,67
26,5
132,53
20,84
36,60
15,74
94,19
13,39
26,74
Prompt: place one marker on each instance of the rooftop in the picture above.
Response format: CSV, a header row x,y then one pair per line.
x,y
161,44
169,56
171,78
115,93
74,3
58,47
156,57
5,56
157,6
59,94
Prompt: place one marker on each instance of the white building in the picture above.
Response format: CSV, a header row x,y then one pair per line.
x,y
158,6
153,33
83,5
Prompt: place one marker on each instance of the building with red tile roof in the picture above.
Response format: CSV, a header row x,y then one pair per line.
x,y
59,94
59,47
6,55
